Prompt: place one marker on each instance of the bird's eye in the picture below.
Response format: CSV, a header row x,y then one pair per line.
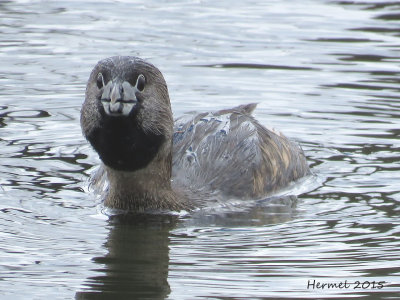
x,y
100,81
140,83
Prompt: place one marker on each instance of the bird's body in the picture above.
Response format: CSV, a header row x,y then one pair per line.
x,y
128,120
230,152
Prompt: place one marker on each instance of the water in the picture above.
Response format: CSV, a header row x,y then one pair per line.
x,y
326,73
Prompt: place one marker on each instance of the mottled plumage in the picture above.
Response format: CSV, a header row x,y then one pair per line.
x,y
127,119
230,152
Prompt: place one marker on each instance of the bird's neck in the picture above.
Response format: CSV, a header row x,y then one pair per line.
x,y
144,189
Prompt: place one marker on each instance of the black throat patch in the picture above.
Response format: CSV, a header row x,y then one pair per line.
x,y
123,145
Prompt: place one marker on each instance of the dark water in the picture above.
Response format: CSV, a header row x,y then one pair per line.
x,y
326,73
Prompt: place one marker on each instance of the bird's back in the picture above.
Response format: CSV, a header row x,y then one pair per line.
x,y
230,152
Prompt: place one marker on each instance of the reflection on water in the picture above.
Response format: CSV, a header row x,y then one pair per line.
x,y
136,265
323,72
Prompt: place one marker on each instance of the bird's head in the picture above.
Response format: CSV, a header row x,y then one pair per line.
x,y
126,115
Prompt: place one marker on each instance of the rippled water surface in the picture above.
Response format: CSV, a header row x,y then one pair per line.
x,y
326,73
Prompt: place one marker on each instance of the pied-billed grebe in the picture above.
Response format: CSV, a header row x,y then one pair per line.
x,y
127,118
